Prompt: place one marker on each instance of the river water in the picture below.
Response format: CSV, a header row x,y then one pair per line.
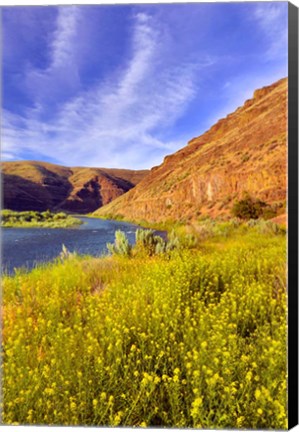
x,y
26,247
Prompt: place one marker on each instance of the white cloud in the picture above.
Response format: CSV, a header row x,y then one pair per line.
x,y
115,123
272,20
7,156
64,37
61,75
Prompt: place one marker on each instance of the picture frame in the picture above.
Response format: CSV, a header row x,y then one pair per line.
x,y
292,230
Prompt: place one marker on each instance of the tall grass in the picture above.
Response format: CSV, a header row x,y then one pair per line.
x,y
192,338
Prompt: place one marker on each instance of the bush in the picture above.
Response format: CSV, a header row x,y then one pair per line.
x,y
269,213
121,244
161,246
23,219
224,229
60,216
249,208
173,241
268,227
47,215
148,243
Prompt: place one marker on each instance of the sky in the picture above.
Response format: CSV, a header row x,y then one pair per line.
x,y
122,86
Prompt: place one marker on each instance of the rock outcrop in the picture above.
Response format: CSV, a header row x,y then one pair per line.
x,y
244,152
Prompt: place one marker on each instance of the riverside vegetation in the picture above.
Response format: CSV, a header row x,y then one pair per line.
x,y
35,219
188,333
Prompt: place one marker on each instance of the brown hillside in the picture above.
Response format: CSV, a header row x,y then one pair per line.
x,y
244,152
31,185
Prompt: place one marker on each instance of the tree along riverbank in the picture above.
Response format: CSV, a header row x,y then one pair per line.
x,y
35,219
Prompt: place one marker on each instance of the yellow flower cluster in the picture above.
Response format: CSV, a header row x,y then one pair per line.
x,y
193,339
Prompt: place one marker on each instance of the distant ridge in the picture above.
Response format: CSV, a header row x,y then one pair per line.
x,y
33,185
244,152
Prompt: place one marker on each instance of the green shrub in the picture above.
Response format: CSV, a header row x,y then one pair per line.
x,y
269,227
60,216
121,244
47,214
145,241
224,229
249,208
269,213
173,241
149,243
27,217
45,219
161,246
245,209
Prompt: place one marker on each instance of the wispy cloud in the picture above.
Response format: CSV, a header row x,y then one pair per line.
x,y
125,95
272,20
112,124
60,77
64,37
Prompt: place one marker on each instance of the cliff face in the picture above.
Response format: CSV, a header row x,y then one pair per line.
x,y
244,152
30,185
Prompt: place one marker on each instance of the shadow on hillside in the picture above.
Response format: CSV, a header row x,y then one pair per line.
x,y
22,194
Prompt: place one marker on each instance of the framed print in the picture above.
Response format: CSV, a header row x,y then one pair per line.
x,y
149,215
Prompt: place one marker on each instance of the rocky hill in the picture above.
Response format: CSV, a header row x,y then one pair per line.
x,y
31,185
244,152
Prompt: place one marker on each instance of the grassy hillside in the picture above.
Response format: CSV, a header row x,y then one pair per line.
x,y
195,337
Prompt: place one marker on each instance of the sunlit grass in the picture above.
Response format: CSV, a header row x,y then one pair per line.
x,y
192,338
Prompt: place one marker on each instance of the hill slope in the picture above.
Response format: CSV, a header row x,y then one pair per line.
x,y
246,151
31,185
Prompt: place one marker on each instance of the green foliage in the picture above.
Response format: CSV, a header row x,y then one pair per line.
x,y
160,248
47,219
47,214
269,212
148,243
266,227
178,239
196,339
173,241
249,208
121,244
59,216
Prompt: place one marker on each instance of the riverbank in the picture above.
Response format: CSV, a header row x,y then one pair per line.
x,y
28,247
192,337
35,219
159,226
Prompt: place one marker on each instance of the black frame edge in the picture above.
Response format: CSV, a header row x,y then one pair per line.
x,y
292,215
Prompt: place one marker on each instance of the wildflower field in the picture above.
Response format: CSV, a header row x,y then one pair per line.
x,y
193,337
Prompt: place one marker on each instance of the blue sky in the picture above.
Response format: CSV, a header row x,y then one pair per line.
x,y
124,85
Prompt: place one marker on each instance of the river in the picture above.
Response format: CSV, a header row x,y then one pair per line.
x,y
27,247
